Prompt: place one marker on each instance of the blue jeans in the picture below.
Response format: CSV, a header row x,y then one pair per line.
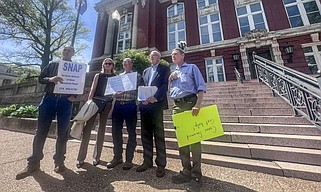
x,y
50,107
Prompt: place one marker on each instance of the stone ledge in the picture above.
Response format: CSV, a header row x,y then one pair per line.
x,y
25,125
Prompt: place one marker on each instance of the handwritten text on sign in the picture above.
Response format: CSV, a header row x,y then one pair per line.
x,y
192,129
73,75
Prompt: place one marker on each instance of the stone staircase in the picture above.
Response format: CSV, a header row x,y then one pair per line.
x,y
260,133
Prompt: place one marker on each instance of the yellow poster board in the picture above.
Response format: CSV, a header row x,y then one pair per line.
x,y
192,129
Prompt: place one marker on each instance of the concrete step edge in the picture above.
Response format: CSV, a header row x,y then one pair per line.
x,y
279,168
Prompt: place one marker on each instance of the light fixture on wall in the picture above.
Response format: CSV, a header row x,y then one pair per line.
x,y
289,49
236,58
182,44
116,17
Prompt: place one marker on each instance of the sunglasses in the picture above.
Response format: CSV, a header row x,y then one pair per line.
x,y
108,63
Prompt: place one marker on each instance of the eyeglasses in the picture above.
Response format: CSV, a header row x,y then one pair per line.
x,y
108,63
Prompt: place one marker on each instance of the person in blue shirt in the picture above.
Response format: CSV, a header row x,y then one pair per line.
x,y
187,88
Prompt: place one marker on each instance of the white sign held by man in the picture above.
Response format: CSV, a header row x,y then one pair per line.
x,y
73,75
121,83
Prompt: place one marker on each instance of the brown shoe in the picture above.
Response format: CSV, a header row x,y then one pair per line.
x,y
27,171
160,172
143,168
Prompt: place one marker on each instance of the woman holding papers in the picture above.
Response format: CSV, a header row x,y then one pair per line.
x,y
104,104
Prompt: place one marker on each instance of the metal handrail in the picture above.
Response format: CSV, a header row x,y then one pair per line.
x,y
238,75
301,91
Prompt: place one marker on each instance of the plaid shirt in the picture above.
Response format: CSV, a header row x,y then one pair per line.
x,y
128,95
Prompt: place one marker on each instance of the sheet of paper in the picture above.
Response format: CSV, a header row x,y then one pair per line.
x,y
73,75
145,92
192,129
120,83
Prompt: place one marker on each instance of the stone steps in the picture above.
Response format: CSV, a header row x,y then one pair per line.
x,y
250,151
280,168
260,133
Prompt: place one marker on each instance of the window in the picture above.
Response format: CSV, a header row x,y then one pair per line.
x,y
124,34
215,70
313,57
205,3
209,22
302,12
251,17
6,82
176,25
9,70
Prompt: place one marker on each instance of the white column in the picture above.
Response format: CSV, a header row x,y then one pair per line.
x,y
135,25
109,35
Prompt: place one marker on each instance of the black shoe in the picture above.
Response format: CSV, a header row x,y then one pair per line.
x,y
195,185
127,165
181,178
80,164
160,172
59,168
27,171
114,163
143,168
96,162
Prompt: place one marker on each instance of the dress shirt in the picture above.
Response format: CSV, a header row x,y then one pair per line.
x,y
152,72
189,81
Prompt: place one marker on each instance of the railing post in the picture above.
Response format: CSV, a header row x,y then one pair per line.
x,y
319,79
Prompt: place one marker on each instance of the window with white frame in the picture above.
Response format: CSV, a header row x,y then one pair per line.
x,y
209,22
205,3
175,25
124,34
312,55
302,12
251,17
215,71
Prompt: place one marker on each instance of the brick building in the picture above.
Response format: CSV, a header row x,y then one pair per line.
x,y
220,34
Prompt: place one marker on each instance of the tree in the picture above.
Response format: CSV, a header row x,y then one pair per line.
x,y
40,27
140,59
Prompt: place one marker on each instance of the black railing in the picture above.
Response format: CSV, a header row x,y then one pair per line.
x,y
301,91
238,76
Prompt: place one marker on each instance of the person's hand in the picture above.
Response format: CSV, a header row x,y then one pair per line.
x,y
195,110
55,79
152,99
119,94
72,98
173,76
145,102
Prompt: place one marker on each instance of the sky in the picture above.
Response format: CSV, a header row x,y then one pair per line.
x,y
89,18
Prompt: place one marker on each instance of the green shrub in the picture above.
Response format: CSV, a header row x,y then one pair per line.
x,y
140,59
29,111
8,110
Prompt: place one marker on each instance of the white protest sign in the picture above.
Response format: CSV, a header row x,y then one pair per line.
x,y
73,75
120,83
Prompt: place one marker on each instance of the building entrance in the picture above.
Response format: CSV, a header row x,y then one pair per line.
x,y
264,52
